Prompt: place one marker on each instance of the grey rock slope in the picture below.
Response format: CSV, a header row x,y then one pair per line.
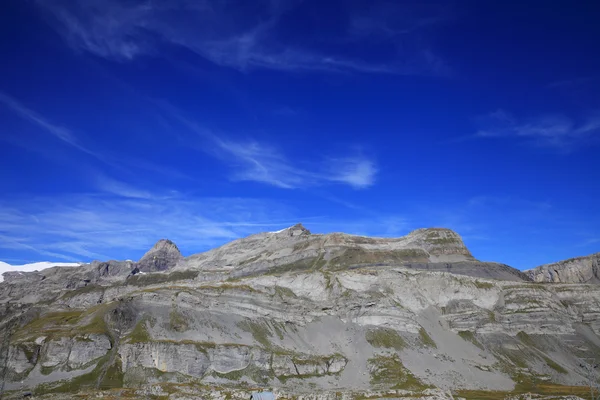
x,y
334,314
574,270
295,248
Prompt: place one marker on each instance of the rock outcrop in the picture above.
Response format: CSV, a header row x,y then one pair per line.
x,y
574,270
336,314
162,256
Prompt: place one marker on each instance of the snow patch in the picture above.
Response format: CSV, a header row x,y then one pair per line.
x,y
37,266
281,230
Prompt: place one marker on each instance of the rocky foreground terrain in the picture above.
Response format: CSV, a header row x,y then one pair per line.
x,y
307,316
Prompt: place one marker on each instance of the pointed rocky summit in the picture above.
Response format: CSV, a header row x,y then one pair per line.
x,y
162,256
296,230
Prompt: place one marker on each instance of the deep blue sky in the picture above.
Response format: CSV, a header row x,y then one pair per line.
x,y
123,122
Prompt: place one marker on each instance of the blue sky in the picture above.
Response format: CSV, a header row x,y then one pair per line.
x,y
123,122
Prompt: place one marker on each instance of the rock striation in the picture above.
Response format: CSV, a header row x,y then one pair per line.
x,y
574,270
302,313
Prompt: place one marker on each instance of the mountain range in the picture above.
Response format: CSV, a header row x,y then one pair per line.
x,y
325,315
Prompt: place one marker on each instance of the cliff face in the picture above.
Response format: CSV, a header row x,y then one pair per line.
x,y
574,270
300,313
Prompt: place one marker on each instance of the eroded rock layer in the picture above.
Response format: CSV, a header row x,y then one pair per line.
x,y
299,313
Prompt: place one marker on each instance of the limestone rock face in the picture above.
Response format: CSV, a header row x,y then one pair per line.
x,y
298,312
86,349
165,357
574,270
18,360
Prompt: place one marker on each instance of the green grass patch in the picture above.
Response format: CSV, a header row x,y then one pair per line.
x,y
251,372
140,334
82,290
69,324
320,262
483,285
249,260
228,286
260,332
301,245
389,371
97,323
328,280
357,256
113,377
426,339
279,328
298,266
554,365
470,337
157,278
284,292
77,384
46,370
517,358
177,321
526,339
387,338
51,325
527,386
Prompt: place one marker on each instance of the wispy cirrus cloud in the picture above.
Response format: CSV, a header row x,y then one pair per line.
x,y
357,172
59,132
553,131
118,188
83,227
77,226
231,34
252,160
73,141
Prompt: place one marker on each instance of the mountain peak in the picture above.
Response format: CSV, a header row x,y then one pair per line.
x,y
294,230
162,256
165,244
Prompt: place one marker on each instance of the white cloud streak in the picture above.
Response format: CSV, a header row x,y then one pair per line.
x,y
27,114
357,172
251,160
553,131
112,186
218,32
66,136
59,132
80,227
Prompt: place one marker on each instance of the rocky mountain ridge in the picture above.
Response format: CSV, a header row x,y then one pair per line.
x,y
574,270
339,315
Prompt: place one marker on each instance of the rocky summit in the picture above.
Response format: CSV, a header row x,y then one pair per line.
x,y
305,316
